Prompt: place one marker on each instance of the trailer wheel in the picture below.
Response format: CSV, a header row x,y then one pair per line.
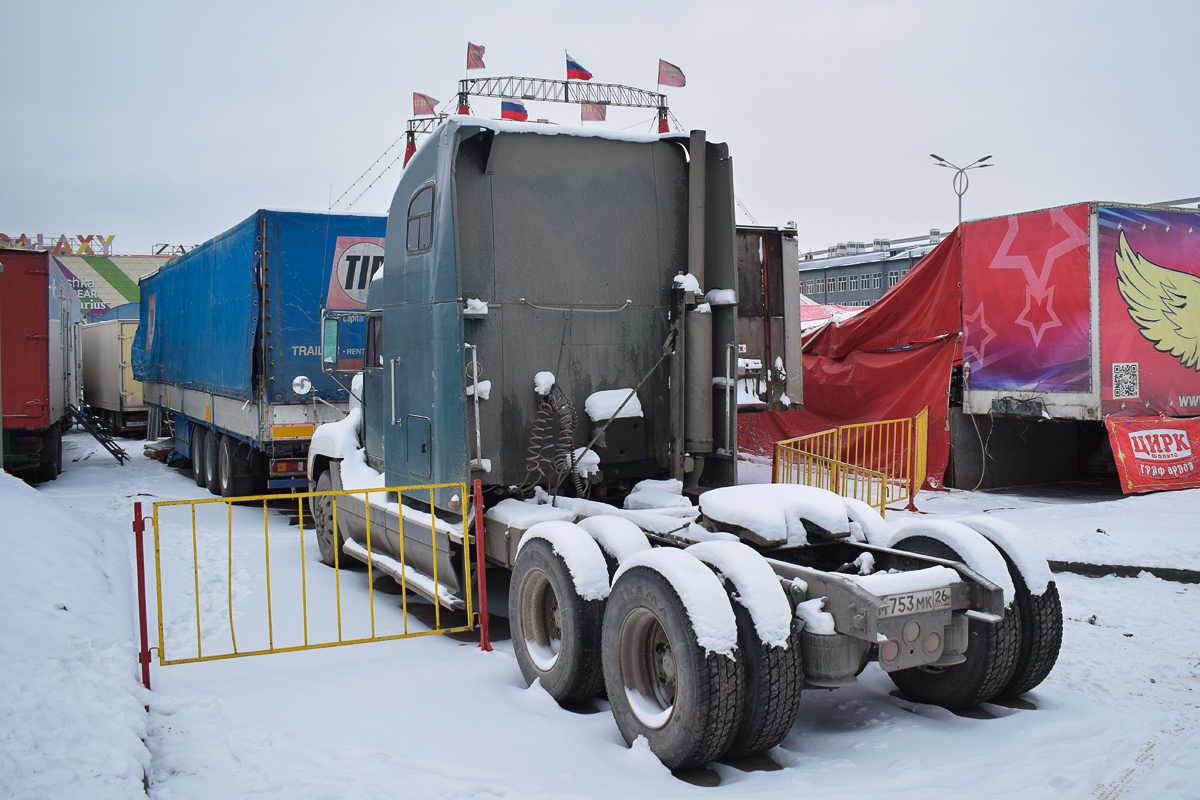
x,y
198,455
51,461
329,541
662,683
211,475
1041,635
555,632
991,657
228,466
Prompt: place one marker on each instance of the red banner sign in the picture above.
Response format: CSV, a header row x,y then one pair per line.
x,y
1156,453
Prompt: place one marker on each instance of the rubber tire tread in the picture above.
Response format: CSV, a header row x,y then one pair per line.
x,y
774,677
198,455
232,485
50,464
1041,636
211,465
992,653
325,484
719,685
576,675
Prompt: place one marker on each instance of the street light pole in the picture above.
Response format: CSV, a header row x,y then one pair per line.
x,y
961,181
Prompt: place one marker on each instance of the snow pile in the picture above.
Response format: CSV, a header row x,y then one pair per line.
x,y
875,528
756,586
688,283
975,551
657,494
775,511
1018,546
71,719
525,514
587,462
601,406
753,364
721,297
476,307
703,308
578,551
485,390
543,382
882,584
617,536
702,595
816,620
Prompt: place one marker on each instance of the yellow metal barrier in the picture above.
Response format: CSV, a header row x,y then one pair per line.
x,y
794,465
212,563
895,449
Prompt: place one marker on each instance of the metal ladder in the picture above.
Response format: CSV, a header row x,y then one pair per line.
x,y
100,436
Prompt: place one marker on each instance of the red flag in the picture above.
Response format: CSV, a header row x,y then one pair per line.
x,y
424,105
670,75
593,112
475,56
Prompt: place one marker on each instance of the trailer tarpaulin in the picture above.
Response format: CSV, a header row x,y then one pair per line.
x,y
1155,453
890,361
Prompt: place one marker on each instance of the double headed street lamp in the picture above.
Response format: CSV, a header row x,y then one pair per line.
x,y
961,182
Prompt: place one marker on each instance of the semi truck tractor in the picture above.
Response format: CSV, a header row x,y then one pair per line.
x,y
226,329
557,319
39,337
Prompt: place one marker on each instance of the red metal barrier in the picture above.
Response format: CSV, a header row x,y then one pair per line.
x,y
139,526
481,569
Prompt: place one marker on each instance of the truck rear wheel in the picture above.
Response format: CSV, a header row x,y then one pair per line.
x,y
329,541
1041,635
555,632
51,460
662,683
231,470
991,656
211,442
198,455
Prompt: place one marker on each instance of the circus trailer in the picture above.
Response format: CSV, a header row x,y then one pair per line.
x,y
1083,320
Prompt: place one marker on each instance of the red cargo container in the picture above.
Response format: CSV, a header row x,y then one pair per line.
x,y
39,350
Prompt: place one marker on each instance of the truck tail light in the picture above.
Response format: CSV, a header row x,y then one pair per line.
x,y
889,650
288,466
932,642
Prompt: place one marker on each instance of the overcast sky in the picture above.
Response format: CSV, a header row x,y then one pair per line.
x,y
171,122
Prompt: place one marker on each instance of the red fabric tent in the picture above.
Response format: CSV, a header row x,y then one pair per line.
x,y
888,362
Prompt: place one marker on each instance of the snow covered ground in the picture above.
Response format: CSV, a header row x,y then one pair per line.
x,y
436,717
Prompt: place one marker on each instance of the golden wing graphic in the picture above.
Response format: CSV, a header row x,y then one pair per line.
x,y
1165,303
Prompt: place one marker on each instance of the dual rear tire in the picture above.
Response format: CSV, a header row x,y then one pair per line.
x,y
693,705
219,463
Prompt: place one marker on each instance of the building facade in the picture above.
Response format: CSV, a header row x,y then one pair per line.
x,y
857,274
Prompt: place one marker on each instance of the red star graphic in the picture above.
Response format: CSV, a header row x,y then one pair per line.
x,y
1039,314
971,342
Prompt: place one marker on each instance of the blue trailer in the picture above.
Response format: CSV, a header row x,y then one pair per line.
x,y
230,342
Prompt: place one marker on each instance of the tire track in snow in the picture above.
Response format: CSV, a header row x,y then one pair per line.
x,y
1148,757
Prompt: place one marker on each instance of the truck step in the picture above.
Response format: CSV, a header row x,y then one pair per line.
x,y
100,436
406,576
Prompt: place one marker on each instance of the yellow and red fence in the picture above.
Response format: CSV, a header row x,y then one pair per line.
x,y
876,462
225,589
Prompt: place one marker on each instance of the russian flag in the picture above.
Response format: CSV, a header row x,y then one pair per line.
x,y
576,71
513,109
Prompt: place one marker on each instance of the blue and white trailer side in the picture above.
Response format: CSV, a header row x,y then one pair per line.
x,y
228,327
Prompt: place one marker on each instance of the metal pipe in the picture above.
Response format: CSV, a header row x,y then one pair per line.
x,y
697,150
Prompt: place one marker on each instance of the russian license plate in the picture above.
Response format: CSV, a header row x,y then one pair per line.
x,y
895,605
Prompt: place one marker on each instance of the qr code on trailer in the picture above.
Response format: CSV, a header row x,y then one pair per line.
x,y
1125,381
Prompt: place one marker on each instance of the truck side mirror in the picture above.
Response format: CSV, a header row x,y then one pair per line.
x,y
329,341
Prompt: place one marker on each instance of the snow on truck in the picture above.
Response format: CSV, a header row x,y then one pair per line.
x,y
226,329
555,319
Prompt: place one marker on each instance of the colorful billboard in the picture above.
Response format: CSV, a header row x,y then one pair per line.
x,y
1149,312
1156,453
1026,302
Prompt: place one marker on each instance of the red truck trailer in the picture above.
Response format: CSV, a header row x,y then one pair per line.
x,y
39,361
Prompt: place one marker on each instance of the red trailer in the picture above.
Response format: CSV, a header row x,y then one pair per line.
x,y
39,361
